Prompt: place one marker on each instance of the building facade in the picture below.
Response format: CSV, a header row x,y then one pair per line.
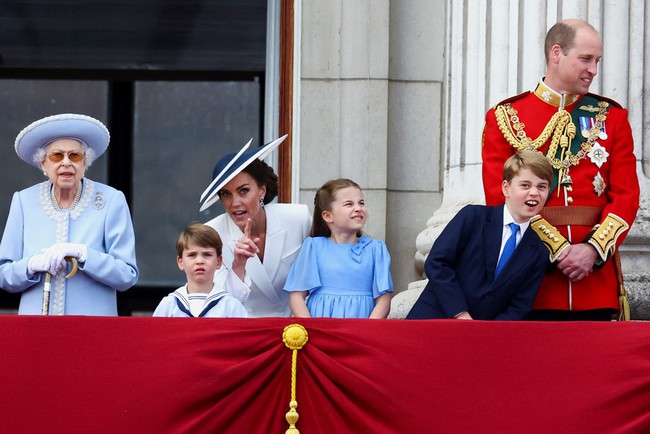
x,y
393,94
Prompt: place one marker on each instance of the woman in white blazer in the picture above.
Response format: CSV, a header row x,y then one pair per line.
x,y
260,240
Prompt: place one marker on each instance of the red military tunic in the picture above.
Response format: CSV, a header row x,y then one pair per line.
x,y
613,186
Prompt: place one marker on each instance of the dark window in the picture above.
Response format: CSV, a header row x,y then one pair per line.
x,y
134,35
179,83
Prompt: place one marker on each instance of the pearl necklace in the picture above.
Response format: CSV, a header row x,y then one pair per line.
x,y
77,196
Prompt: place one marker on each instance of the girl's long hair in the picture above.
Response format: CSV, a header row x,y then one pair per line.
x,y
323,202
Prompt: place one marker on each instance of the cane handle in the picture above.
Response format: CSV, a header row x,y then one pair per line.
x,y
75,266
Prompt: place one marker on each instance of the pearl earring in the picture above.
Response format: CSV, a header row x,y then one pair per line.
x,y
262,202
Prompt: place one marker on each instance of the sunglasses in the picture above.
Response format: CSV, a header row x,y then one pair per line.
x,y
73,156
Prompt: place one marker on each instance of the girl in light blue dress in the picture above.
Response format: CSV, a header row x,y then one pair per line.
x,y
340,273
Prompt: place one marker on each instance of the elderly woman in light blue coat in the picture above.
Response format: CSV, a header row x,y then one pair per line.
x,y
67,216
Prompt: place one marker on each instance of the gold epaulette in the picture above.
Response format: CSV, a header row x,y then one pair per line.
x,y
605,235
550,236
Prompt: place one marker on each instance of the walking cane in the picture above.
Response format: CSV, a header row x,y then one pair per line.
x,y
48,284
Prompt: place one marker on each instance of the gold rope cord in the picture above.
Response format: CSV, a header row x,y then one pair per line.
x,y
560,126
556,125
294,337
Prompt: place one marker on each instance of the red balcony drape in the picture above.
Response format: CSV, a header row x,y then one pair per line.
x,y
175,375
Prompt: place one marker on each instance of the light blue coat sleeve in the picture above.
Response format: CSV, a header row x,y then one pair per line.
x,y
13,254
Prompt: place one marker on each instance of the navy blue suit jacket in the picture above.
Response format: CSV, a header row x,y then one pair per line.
x,y
461,266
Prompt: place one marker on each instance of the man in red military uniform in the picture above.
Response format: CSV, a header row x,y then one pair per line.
x,y
595,191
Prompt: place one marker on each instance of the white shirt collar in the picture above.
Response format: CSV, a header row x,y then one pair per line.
x,y
507,219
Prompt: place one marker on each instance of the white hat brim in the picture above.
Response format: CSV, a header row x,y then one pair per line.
x,y
225,169
211,194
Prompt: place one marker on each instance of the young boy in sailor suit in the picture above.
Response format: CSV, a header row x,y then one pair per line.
x,y
199,256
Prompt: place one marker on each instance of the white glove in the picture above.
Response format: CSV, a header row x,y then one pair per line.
x,y
37,264
55,255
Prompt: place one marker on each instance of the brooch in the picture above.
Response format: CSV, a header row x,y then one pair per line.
x,y
98,201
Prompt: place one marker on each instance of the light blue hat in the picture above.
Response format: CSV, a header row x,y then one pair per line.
x,y
63,126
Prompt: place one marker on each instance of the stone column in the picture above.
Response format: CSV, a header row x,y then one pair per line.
x,y
370,89
343,100
494,50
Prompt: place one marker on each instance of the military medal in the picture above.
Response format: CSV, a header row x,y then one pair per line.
x,y
584,126
599,184
598,154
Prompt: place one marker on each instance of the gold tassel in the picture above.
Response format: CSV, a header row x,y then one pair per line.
x,y
294,337
623,305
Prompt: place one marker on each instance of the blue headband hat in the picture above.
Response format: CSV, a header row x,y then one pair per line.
x,y
44,131
230,166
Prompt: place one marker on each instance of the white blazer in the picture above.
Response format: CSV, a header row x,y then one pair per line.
x,y
287,225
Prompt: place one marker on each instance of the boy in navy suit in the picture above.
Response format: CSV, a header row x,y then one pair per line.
x,y
486,264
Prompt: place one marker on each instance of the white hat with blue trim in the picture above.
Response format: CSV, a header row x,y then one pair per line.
x,y
230,166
